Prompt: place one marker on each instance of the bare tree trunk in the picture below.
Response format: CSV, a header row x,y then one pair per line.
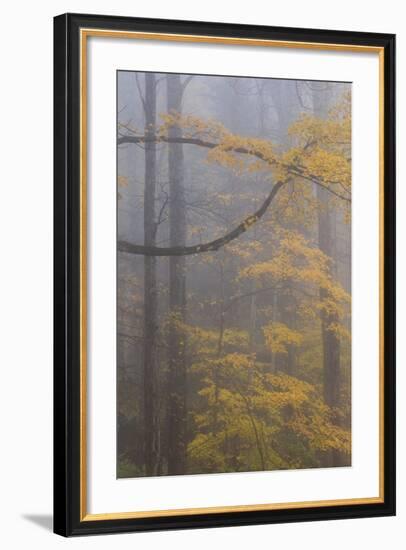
x,y
326,230
150,285
176,409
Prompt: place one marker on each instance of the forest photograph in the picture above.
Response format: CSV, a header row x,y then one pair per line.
x,y
233,274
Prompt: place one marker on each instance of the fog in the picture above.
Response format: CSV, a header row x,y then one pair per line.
x,y
233,274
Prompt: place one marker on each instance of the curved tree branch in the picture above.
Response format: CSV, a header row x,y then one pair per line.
x,y
211,246
216,244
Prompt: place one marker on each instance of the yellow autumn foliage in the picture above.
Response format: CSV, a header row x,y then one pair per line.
x,y
321,153
279,336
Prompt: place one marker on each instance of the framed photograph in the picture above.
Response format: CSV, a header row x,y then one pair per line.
x,y
224,274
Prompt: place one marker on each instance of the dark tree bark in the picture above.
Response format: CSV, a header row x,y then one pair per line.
x,y
176,404
150,285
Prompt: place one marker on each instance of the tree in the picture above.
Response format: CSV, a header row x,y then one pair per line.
x,y
224,151
176,404
321,93
150,285
284,98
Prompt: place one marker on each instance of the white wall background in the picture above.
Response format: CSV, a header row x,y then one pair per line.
x,y
26,272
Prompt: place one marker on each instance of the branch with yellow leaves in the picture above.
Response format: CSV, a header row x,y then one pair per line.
x,y
295,171
216,244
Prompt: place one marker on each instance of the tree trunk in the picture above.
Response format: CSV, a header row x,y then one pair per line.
x,y
331,342
284,98
176,408
150,286
286,306
330,339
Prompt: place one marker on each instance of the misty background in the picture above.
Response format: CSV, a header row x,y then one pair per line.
x,y
235,358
